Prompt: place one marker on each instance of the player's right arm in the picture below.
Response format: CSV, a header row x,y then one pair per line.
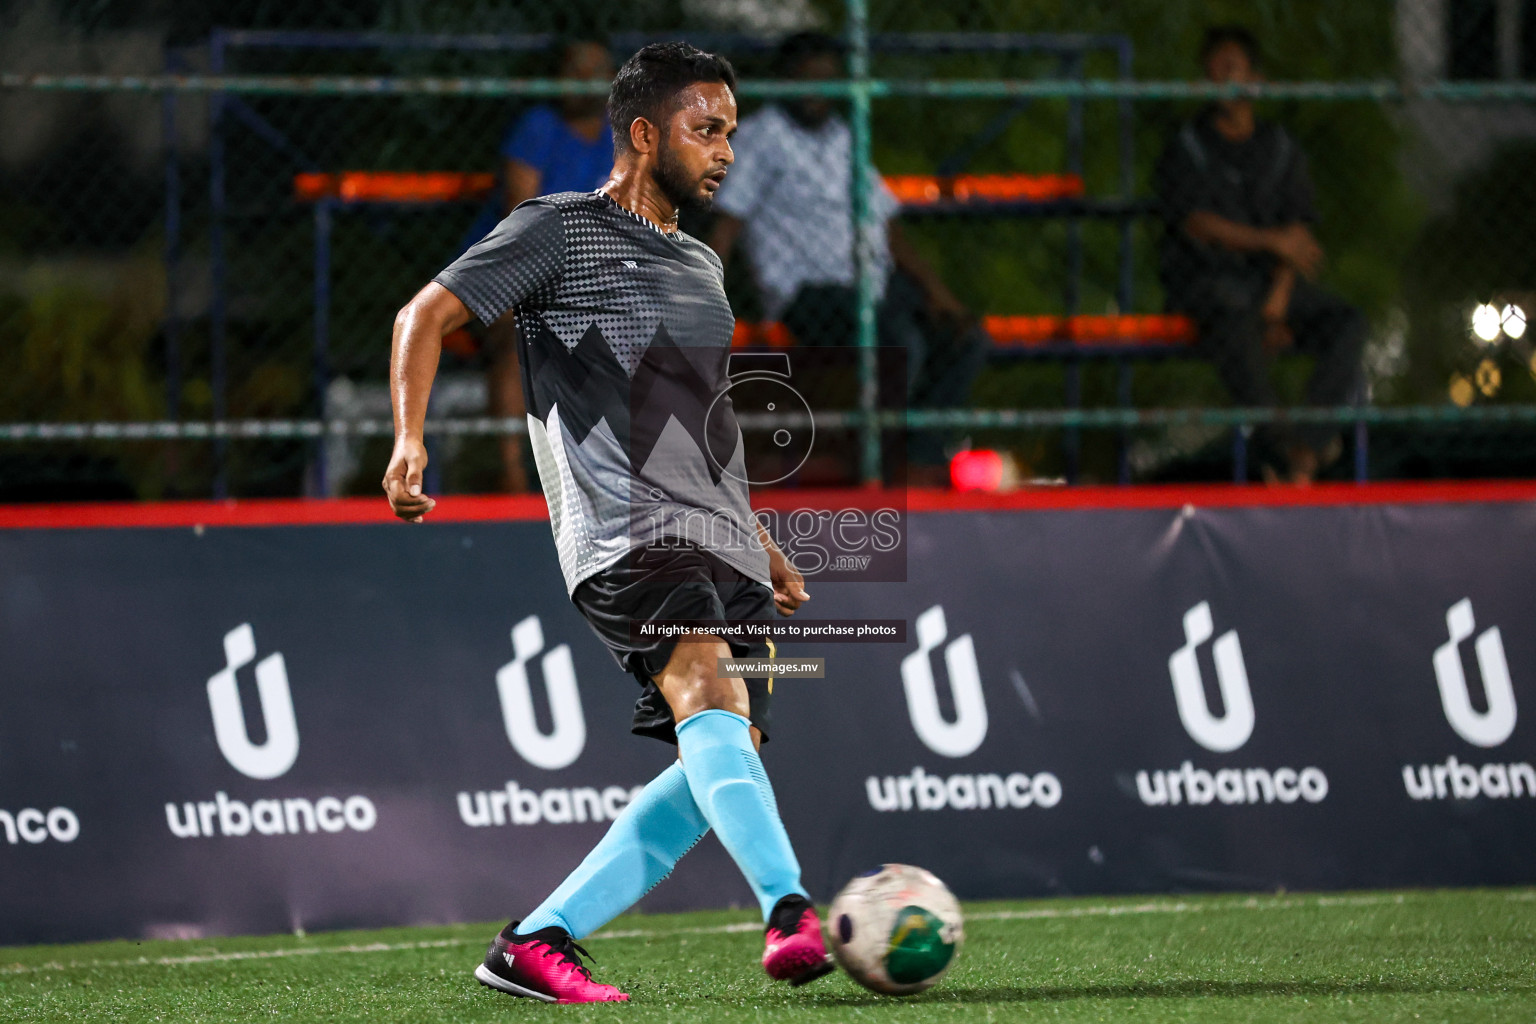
x,y
418,343
521,255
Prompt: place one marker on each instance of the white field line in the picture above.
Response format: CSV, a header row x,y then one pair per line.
x,y
253,954
1252,903
1041,913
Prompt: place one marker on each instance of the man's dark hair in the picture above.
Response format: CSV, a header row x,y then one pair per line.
x,y
797,48
564,44
1218,36
648,83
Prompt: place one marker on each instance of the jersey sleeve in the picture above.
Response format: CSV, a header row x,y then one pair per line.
x,y
521,255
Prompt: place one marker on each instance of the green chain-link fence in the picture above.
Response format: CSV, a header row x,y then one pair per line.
x,y
207,223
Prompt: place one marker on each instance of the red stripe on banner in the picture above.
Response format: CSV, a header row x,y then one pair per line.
x,y
1225,496
261,512
468,509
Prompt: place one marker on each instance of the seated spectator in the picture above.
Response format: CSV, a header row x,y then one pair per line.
x,y
563,148
788,198
1239,257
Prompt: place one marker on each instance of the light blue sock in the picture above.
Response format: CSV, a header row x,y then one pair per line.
x,y
732,790
639,849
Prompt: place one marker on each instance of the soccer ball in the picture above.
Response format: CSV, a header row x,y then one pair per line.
x,y
895,929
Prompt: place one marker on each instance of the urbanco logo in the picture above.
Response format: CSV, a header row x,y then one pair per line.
x,y
568,731
930,791
275,756
34,826
1232,729
1480,728
1452,779
1194,786
231,817
969,729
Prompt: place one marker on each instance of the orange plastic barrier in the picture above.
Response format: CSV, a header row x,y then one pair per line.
x,y
920,189
1027,331
1132,329
392,186
448,186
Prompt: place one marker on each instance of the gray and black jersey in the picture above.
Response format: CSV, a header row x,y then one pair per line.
x,y
624,336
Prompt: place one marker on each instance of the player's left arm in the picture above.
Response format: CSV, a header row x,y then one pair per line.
x,y
788,585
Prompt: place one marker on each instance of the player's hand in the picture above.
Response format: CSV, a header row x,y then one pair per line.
x,y
402,480
1295,245
788,585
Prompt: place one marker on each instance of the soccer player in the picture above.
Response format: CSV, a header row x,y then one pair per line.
x,y
625,334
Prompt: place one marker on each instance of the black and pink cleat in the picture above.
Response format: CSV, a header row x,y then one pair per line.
x,y
545,965
794,949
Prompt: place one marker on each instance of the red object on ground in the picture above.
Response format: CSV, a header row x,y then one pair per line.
x,y
977,470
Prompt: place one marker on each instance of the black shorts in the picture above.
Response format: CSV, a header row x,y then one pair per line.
x,y
670,583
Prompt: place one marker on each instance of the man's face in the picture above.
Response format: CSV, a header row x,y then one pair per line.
x,y
585,62
695,147
1229,63
813,111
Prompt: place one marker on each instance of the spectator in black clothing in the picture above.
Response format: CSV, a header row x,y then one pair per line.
x,y
1239,257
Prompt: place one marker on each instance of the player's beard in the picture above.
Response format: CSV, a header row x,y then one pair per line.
x,y
682,190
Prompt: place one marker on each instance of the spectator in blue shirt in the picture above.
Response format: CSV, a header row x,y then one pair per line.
x,y
564,147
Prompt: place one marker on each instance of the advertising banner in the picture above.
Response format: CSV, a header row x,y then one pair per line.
x,y
257,729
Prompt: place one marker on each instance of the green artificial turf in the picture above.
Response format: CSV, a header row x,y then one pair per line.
x,y
1454,956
